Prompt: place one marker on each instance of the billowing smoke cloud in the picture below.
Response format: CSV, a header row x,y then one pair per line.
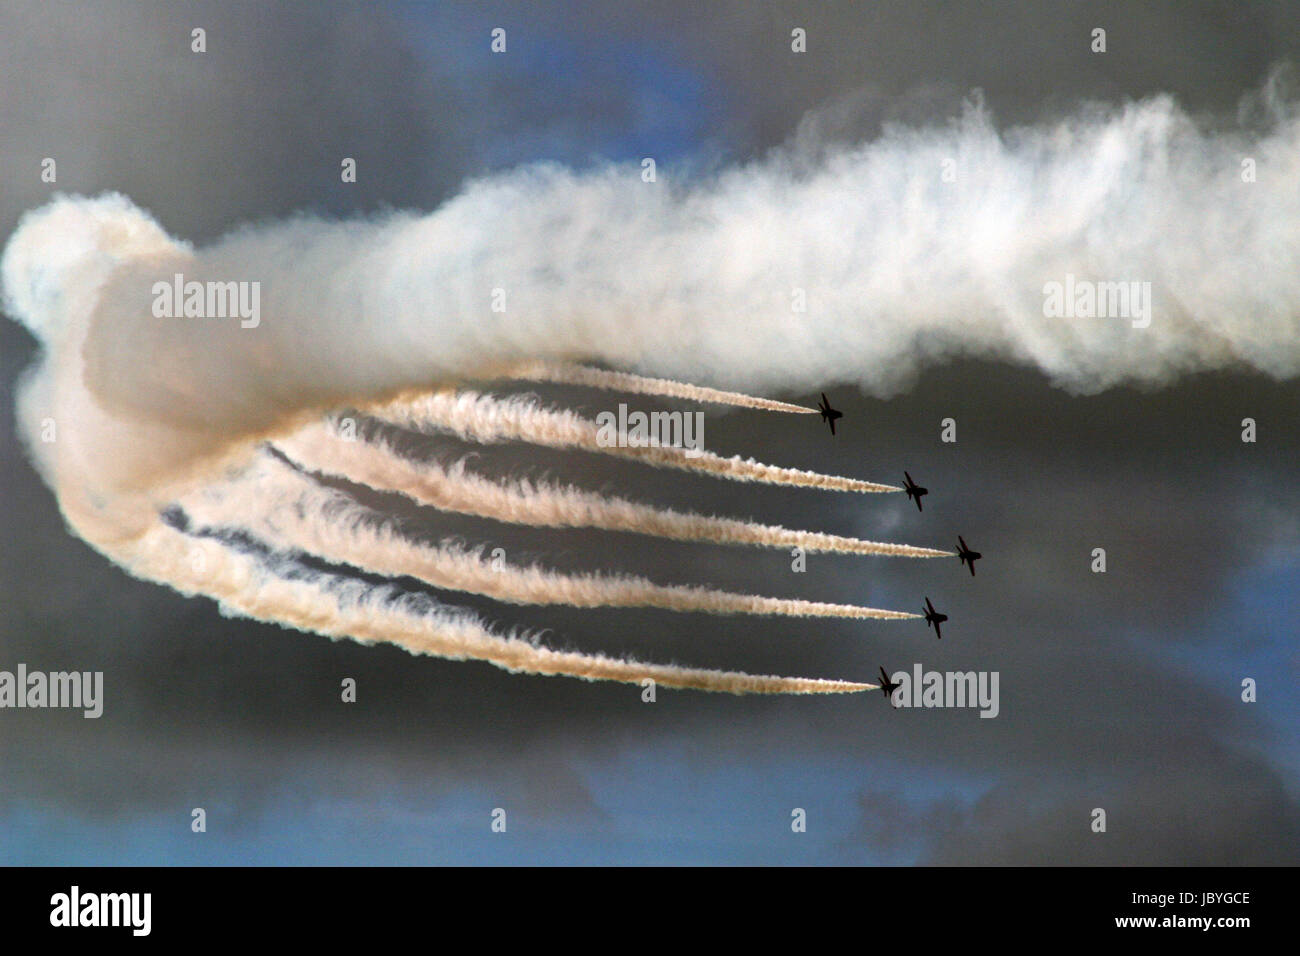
x,y
854,264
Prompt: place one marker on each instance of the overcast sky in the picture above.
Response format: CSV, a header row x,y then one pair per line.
x,y
1118,690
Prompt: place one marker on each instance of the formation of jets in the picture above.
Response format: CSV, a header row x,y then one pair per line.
x,y
915,493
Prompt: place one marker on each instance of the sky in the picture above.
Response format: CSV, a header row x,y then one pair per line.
x,y
1118,690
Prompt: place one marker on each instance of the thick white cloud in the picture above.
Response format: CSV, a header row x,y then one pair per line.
x,y
697,279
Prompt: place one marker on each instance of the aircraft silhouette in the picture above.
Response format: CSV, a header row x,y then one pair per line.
x,y
934,617
888,687
828,414
968,557
914,490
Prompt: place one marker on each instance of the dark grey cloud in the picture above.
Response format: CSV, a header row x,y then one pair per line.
x,y
1089,705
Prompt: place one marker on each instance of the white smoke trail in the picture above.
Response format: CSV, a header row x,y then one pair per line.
x,y
290,512
566,374
341,607
482,418
374,463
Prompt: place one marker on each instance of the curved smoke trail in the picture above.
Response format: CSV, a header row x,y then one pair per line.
x,y
374,463
342,607
288,511
566,374
482,418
